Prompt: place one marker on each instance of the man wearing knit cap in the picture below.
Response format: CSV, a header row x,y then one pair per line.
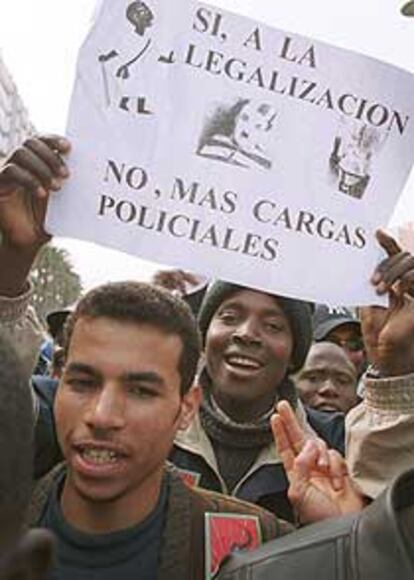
x,y
253,341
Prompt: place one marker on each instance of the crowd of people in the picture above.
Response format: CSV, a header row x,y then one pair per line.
x,y
171,433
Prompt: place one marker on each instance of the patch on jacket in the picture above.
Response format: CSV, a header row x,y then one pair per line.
x,y
227,533
190,478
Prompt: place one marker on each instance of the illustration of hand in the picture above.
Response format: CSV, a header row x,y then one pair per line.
x,y
106,57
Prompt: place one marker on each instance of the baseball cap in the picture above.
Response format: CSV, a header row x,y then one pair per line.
x,y
327,318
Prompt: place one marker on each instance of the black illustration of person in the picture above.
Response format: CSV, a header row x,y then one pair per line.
x,y
351,157
141,17
238,134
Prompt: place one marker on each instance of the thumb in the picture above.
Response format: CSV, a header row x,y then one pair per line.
x,y
387,243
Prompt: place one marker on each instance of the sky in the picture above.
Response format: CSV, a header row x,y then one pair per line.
x,y
39,43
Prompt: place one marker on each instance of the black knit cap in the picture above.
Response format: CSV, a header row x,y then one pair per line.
x,y
298,312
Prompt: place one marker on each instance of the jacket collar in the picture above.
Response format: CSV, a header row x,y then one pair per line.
x,y
194,440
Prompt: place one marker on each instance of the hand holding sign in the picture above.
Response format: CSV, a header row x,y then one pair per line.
x,y
388,332
26,179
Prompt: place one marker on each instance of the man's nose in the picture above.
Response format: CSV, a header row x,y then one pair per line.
x,y
106,410
247,331
327,388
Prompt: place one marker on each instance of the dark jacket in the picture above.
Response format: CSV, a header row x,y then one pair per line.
x,y
372,545
183,542
265,483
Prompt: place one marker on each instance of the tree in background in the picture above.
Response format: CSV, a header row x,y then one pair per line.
x,y
55,283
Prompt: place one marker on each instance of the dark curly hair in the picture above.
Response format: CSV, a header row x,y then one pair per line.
x,y
144,304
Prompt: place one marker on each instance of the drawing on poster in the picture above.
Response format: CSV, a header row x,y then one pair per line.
x,y
239,134
351,158
141,17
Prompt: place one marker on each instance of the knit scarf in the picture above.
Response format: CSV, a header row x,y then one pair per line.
x,y
222,428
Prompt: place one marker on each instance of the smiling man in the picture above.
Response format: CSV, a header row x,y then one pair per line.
x,y
253,342
244,367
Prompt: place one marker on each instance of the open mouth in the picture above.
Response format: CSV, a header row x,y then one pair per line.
x,y
243,363
99,456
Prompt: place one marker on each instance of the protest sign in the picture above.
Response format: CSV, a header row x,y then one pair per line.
x,y
205,140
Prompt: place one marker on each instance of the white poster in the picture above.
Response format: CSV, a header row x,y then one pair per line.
x,y
208,141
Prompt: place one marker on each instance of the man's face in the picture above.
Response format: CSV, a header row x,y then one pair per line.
x,y
328,379
249,345
252,126
348,336
118,407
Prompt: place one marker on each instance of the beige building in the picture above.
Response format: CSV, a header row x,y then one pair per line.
x,y
14,120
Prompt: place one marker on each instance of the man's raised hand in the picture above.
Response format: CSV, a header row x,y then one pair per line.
x,y
389,332
27,177
319,484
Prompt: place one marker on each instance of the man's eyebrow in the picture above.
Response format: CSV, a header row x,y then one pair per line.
x,y
348,374
311,371
144,377
229,303
77,367
274,312
237,305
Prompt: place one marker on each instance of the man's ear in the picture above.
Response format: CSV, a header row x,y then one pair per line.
x,y
189,406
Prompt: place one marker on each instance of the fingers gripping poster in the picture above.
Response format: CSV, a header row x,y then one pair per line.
x,y
204,140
